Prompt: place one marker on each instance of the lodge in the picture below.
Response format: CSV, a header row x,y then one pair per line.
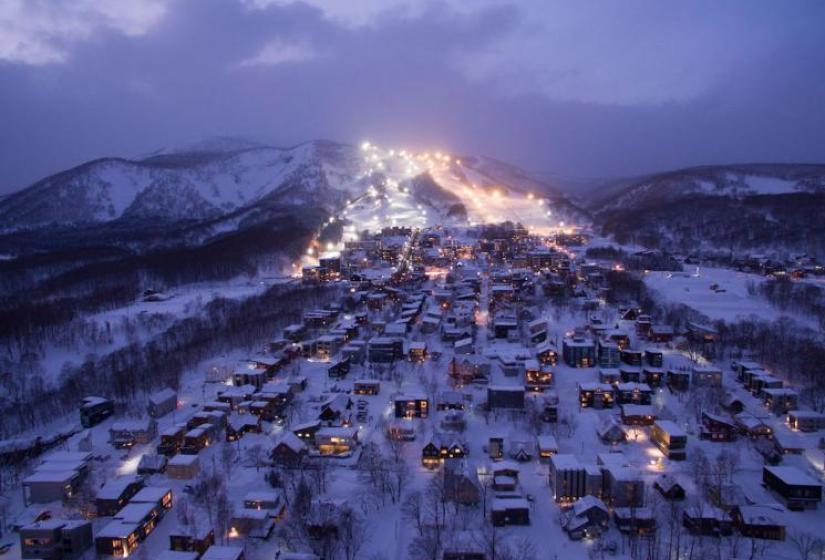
x,y
411,406
567,478
579,352
806,420
510,510
505,397
633,393
596,395
339,441
638,415
118,539
116,493
440,448
94,410
670,439
56,539
797,489
717,428
171,440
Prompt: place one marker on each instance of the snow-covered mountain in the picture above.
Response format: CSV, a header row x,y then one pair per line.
x,y
222,180
729,181
771,208
193,185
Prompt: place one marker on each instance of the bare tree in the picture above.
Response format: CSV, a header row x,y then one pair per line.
x,y
808,546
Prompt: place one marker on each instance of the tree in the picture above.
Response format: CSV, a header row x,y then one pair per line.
x,y
256,455
807,546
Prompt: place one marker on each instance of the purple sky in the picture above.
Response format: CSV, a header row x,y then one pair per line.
x,y
577,89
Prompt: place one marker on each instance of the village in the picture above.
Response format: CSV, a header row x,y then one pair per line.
x,y
470,393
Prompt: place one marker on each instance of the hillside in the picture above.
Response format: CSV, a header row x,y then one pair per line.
x,y
766,208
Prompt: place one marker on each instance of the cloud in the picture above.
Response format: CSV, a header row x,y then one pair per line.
x,y
40,32
579,89
279,51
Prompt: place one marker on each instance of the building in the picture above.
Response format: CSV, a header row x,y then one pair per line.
x,y
669,487
45,486
622,487
547,355
579,352
678,379
706,377
611,432
160,496
638,521
440,448
466,369
417,352
510,510
780,401
171,440
239,425
707,520
670,439
145,515
717,428
654,358
94,410
270,501
806,420
55,539
660,333
215,552
608,355
385,350
588,518
255,523
162,403
411,406
118,539
759,522
796,488
128,433
183,467
338,441
567,478
189,538
610,376
638,415
547,447
752,426
116,493
505,397
197,438
631,357
307,430
536,376
177,555
289,450
633,393
596,395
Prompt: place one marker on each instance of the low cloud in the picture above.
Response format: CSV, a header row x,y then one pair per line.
x,y
583,89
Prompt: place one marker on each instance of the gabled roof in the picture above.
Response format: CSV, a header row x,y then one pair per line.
x,y
291,441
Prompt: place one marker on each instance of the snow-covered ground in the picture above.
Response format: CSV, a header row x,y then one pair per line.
x,y
718,293
390,534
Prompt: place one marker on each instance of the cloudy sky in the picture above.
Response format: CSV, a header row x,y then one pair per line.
x,y
577,89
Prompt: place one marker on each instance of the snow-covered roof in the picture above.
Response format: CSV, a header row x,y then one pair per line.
x,y
151,494
215,552
115,487
793,476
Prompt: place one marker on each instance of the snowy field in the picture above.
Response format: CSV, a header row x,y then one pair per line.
x,y
718,293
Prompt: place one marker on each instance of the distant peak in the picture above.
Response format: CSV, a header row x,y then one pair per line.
x,y
219,144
